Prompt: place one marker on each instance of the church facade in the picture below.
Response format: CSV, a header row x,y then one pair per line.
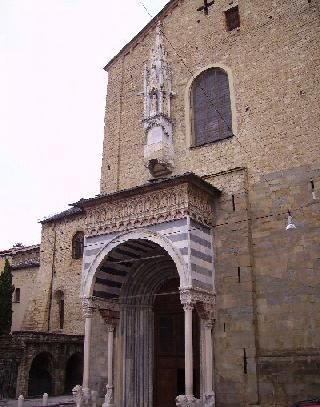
x,y
194,274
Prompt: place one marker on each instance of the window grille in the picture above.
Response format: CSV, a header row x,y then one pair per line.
x,y
211,107
77,245
232,18
17,295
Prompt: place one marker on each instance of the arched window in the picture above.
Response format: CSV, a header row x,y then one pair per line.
x,y
59,295
77,245
211,107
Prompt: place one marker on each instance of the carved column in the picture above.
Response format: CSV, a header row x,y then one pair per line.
x,y
88,309
205,304
207,312
209,395
109,397
188,308
188,305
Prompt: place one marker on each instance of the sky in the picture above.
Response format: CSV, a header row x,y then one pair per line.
x,y
52,102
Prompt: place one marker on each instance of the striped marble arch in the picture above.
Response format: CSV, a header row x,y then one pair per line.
x,y
191,240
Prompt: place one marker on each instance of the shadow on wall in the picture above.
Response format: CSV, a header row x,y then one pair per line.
x,y
40,375
8,379
74,371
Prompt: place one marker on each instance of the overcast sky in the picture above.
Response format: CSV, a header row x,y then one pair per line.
x,y
52,101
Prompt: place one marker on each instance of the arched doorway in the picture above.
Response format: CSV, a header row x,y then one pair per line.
x,y
74,371
132,274
40,375
169,363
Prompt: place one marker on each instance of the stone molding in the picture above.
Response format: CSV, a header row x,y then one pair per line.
x,y
167,204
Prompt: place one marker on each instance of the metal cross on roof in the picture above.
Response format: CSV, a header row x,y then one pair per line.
x,y
205,7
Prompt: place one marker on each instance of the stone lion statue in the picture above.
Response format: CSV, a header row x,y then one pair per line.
x,y
77,395
209,399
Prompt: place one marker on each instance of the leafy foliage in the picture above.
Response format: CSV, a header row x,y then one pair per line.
x,y
6,290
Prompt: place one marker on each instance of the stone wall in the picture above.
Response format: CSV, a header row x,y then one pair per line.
x,y
266,278
267,344
58,272
273,66
23,278
11,353
267,282
58,346
24,263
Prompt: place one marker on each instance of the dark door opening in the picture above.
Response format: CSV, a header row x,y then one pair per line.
x,y
169,347
40,377
74,370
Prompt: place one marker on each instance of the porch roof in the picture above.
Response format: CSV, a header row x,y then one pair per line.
x,y
152,185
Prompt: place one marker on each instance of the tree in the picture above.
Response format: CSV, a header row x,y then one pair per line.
x,y
6,290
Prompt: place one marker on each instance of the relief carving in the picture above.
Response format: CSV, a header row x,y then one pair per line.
x,y
191,295
151,208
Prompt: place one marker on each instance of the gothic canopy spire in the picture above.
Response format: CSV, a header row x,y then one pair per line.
x,y
158,151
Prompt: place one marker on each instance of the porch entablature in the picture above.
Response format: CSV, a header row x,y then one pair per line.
x,y
150,204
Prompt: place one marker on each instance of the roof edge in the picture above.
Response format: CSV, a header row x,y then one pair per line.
x,y
152,22
151,186
62,215
19,249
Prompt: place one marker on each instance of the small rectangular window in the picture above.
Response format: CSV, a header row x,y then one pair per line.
x,y
232,18
17,295
61,314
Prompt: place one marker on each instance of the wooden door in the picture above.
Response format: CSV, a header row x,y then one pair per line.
x,y
169,347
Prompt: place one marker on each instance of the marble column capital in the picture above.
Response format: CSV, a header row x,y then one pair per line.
x,y
207,313
209,324
186,296
110,326
87,307
195,295
189,306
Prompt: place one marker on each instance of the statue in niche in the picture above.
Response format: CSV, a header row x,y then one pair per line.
x,y
154,103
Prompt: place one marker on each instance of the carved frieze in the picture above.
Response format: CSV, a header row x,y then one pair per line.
x,y
150,208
